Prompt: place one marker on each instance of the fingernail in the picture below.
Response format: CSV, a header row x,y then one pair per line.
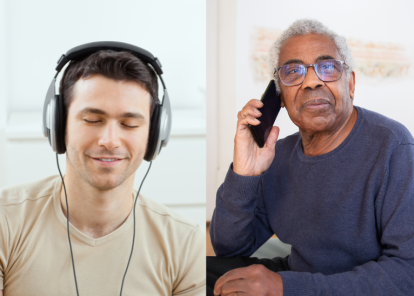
x,y
257,112
257,120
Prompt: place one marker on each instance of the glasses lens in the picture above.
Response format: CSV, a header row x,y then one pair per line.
x,y
329,70
292,74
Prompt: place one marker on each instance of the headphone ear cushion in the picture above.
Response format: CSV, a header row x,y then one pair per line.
x,y
154,133
60,125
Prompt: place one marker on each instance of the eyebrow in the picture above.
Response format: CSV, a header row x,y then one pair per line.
x,y
324,57
294,61
320,58
89,110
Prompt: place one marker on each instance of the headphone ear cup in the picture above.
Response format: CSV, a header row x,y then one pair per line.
x,y
60,125
154,133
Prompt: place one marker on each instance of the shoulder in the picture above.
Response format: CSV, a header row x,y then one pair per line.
x,y
23,202
382,127
175,235
20,206
20,193
180,241
163,213
167,222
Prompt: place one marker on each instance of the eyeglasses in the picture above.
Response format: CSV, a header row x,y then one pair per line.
x,y
327,71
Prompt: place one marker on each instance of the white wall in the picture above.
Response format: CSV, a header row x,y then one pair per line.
x,y
221,93
33,36
211,105
39,32
380,22
3,89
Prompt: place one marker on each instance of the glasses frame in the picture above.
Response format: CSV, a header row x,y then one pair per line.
x,y
343,64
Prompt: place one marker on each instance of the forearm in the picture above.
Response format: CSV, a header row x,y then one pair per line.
x,y
239,224
387,276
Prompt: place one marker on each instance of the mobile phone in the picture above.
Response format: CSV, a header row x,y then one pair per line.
x,y
271,107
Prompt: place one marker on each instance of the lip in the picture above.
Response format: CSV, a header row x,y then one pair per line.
x,y
316,104
107,163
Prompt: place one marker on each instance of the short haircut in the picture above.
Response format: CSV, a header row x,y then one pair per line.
x,y
119,66
306,27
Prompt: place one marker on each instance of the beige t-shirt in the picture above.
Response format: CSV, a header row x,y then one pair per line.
x,y
168,258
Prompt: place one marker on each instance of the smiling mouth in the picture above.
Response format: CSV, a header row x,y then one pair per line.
x,y
106,160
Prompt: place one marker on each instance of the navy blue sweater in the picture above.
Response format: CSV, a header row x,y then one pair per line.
x,y
348,214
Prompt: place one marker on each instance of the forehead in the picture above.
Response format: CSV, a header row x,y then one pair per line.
x,y
307,48
110,95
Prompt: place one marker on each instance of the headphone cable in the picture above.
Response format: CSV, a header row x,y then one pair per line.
x,y
67,227
133,237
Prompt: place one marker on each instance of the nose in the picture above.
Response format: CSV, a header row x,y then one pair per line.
x,y
110,138
312,80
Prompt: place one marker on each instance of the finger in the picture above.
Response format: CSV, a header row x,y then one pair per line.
x,y
238,294
235,274
272,138
249,110
230,288
255,103
244,121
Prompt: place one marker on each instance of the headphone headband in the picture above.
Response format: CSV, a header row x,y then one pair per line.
x,y
82,51
54,119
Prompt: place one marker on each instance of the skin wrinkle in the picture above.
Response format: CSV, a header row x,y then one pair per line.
x,y
319,59
322,130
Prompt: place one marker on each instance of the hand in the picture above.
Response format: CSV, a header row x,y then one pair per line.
x,y
249,159
254,280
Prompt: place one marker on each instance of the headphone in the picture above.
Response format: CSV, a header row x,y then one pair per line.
x,y
54,119
55,113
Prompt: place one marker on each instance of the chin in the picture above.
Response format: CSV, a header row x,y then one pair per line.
x,y
317,124
106,182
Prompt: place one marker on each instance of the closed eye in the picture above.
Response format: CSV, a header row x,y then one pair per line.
x,y
130,126
88,121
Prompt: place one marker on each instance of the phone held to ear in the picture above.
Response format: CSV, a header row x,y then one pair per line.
x,y
271,107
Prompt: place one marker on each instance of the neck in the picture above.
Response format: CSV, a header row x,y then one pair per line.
x,y
96,212
319,143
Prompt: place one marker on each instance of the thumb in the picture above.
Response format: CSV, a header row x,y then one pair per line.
x,y
271,140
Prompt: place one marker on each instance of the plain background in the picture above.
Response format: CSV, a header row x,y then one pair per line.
x,y
231,82
34,34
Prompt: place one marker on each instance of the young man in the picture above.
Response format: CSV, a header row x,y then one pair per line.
x,y
109,97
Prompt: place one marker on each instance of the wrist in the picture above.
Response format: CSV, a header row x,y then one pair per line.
x,y
245,173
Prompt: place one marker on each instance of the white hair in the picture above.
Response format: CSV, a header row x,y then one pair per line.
x,y
305,27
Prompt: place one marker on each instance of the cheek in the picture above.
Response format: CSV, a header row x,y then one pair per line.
x,y
289,98
341,95
137,141
78,135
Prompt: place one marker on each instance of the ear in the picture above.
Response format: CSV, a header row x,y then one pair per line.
x,y
282,100
351,85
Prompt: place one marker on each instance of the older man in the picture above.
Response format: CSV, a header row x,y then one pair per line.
x,y
340,191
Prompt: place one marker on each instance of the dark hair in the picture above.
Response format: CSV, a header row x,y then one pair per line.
x,y
111,64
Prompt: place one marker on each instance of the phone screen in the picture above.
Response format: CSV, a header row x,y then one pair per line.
x,y
270,110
